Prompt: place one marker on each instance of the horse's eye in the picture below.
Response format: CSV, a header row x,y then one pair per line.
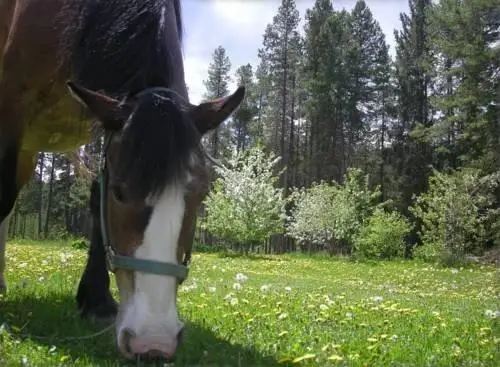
x,y
118,193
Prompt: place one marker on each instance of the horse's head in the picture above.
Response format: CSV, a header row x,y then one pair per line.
x,y
153,181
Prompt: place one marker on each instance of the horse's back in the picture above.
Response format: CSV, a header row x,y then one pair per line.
x,y
37,108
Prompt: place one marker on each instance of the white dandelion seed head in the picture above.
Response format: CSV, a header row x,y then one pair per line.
x,y
491,314
377,299
240,277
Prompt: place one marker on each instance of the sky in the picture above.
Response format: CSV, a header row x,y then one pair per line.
x,y
238,26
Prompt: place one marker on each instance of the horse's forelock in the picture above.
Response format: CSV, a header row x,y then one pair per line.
x,y
156,146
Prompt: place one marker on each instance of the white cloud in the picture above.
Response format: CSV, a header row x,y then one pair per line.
x,y
244,14
195,69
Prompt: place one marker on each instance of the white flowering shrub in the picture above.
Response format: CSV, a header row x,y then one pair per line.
x,y
312,216
328,213
245,205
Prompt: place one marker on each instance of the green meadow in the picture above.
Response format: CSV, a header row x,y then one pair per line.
x,y
266,311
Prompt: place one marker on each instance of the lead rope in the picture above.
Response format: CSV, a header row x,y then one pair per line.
x,y
58,339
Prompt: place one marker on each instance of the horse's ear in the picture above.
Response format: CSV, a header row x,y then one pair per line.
x,y
209,115
110,112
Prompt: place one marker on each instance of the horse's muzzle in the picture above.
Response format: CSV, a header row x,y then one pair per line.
x,y
149,347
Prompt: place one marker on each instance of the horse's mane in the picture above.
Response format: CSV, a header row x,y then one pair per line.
x,y
97,32
120,47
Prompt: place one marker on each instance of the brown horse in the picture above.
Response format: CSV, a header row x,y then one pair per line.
x,y
124,63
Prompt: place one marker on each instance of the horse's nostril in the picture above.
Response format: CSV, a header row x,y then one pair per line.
x,y
154,355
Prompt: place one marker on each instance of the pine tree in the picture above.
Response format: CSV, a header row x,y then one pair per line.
x,y
244,115
467,60
278,51
316,110
217,85
412,155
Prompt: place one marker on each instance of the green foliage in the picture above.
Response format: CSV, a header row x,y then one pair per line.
x,y
456,214
382,236
429,252
325,213
245,206
80,243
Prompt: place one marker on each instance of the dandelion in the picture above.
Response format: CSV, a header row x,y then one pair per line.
x,y
288,289
265,288
234,301
212,289
45,262
377,299
240,277
454,271
348,315
335,357
491,314
237,286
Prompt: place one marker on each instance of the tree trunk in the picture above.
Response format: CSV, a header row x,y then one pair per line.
x,y
49,197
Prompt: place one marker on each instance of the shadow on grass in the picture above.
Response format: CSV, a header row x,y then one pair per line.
x,y
56,319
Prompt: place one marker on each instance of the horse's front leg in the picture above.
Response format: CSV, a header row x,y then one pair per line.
x,y
94,298
9,189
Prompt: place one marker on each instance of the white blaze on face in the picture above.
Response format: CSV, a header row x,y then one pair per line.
x,y
151,311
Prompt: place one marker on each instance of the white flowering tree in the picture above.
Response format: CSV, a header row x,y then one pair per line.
x,y
245,205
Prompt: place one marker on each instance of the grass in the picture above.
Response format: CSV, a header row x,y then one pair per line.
x,y
291,310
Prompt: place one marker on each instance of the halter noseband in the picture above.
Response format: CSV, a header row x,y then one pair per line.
x,y
115,261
